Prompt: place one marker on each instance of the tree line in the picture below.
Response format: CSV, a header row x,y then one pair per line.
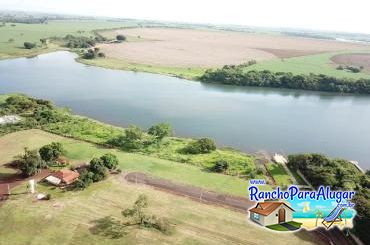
x,y
235,75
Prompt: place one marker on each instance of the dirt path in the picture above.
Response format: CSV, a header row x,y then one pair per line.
x,y
198,194
16,180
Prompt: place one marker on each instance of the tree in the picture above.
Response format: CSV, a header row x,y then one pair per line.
x,y
29,45
220,166
160,130
109,160
98,169
51,152
133,138
90,54
43,41
203,145
85,179
30,163
120,37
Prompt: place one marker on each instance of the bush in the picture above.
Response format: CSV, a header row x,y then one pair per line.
x,y
220,166
203,145
101,55
120,37
110,161
48,196
29,45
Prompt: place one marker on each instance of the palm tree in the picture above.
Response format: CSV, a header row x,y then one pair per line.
x,y
319,214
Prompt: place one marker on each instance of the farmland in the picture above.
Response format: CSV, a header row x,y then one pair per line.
x,y
179,51
12,36
76,213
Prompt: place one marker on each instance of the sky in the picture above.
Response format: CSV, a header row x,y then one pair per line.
x,y
330,15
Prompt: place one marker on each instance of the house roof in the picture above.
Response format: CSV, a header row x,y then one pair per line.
x,y
66,175
266,208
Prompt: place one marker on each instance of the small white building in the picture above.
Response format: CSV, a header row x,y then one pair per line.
x,y
10,119
271,213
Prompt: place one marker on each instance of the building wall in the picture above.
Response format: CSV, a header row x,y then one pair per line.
x,y
273,218
260,221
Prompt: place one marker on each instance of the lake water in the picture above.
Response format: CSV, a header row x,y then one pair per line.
x,y
246,118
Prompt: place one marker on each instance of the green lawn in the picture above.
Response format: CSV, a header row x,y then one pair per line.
x,y
279,227
318,64
279,174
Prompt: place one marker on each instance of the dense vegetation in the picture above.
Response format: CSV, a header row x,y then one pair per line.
x,y
97,170
338,174
235,75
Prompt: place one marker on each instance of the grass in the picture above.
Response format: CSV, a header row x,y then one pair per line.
x,y
279,227
279,174
21,33
119,64
318,64
69,218
80,152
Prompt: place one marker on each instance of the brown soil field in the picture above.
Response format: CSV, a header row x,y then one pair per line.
x,y
206,48
355,59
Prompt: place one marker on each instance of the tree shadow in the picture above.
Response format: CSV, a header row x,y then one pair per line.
x,y
108,227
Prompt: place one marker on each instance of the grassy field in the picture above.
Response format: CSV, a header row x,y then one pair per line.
x,y
80,152
317,64
21,33
120,64
70,218
279,174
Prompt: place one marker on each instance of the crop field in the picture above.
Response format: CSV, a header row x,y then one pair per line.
x,y
12,36
355,59
206,48
317,64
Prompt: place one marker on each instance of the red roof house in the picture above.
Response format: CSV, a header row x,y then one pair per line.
x,y
63,177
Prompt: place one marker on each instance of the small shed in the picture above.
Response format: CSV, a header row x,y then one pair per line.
x,y
271,213
62,177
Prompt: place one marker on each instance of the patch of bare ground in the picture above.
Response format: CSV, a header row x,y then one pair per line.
x,y
195,193
205,48
355,59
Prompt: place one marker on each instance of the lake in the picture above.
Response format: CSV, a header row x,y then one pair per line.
x,y
250,119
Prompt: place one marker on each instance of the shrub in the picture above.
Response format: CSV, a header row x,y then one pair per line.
x,y
220,166
90,54
48,196
29,45
203,145
120,37
101,55
109,160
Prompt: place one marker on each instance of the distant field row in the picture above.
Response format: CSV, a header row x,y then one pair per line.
x,y
186,52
